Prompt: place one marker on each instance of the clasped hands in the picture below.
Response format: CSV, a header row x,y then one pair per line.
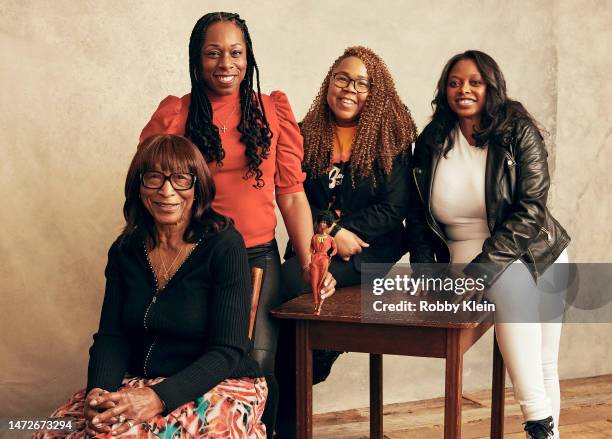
x,y
117,412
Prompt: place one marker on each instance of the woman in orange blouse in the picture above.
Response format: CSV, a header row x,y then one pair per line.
x,y
254,149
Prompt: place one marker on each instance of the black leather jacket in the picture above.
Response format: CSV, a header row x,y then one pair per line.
x,y
516,189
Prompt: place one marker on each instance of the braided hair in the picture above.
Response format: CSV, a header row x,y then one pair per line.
x,y
385,129
253,126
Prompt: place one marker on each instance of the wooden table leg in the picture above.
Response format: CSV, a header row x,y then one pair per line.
x,y
376,396
498,393
303,357
454,377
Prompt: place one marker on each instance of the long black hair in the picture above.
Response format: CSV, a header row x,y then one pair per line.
x,y
253,126
499,112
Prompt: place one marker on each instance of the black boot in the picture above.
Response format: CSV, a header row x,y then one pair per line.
x,y
542,429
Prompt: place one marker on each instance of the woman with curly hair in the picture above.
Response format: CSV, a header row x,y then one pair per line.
x,y
254,150
480,166
357,144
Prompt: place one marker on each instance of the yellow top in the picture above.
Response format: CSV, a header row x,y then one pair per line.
x,y
343,143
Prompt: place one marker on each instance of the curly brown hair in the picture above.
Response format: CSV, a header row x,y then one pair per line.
x,y
385,128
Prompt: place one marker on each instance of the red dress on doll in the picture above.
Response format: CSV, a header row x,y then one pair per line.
x,y
320,245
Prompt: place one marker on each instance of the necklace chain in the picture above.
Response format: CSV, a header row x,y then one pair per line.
x,y
223,127
168,270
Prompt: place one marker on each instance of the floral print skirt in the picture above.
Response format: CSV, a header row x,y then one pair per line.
x,y
232,409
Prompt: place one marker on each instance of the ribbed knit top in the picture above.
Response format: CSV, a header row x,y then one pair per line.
x,y
195,331
251,209
458,198
458,195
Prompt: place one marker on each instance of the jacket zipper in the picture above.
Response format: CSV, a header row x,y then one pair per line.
x,y
548,234
146,361
146,315
535,267
435,229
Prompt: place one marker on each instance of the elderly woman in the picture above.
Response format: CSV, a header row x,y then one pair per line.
x,y
357,143
171,356
254,148
480,166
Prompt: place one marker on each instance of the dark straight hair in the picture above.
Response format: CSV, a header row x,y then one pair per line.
x,y
174,154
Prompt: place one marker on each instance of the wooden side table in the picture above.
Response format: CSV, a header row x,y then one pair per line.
x,y
340,327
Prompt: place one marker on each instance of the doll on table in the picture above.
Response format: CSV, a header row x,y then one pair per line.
x,y
320,245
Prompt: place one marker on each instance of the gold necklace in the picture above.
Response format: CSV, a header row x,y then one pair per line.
x,y
167,274
223,127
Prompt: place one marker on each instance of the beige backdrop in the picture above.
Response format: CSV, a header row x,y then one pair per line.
x,y
79,79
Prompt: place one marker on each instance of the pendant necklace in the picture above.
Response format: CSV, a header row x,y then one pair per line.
x,y
223,127
167,274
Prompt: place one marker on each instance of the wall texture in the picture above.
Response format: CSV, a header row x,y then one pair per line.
x,y
79,79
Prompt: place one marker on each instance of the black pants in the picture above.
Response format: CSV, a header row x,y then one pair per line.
x,y
265,338
293,285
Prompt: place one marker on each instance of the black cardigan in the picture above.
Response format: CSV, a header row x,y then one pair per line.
x,y
194,332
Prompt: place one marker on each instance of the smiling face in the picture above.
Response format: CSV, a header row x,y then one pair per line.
x,y
466,90
224,58
166,205
345,103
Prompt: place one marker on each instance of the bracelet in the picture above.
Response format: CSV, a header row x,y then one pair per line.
x,y
334,231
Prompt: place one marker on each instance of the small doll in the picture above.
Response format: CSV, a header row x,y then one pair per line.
x,y
320,245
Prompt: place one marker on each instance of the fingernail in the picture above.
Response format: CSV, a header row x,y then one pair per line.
x,y
93,402
95,420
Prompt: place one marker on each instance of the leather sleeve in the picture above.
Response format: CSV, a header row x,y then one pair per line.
x,y
511,239
417,230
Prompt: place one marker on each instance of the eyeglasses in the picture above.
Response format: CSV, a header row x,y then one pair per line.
x,y
178,181
343,81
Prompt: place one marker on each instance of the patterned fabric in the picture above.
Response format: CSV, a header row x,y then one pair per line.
x,y
230,410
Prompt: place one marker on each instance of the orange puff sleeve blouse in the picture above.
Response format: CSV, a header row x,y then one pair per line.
x,y
251,209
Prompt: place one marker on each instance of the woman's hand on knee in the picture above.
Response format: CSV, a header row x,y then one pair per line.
x,y
96,403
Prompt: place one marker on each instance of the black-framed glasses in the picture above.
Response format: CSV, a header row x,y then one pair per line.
x,y
180,181
343,81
